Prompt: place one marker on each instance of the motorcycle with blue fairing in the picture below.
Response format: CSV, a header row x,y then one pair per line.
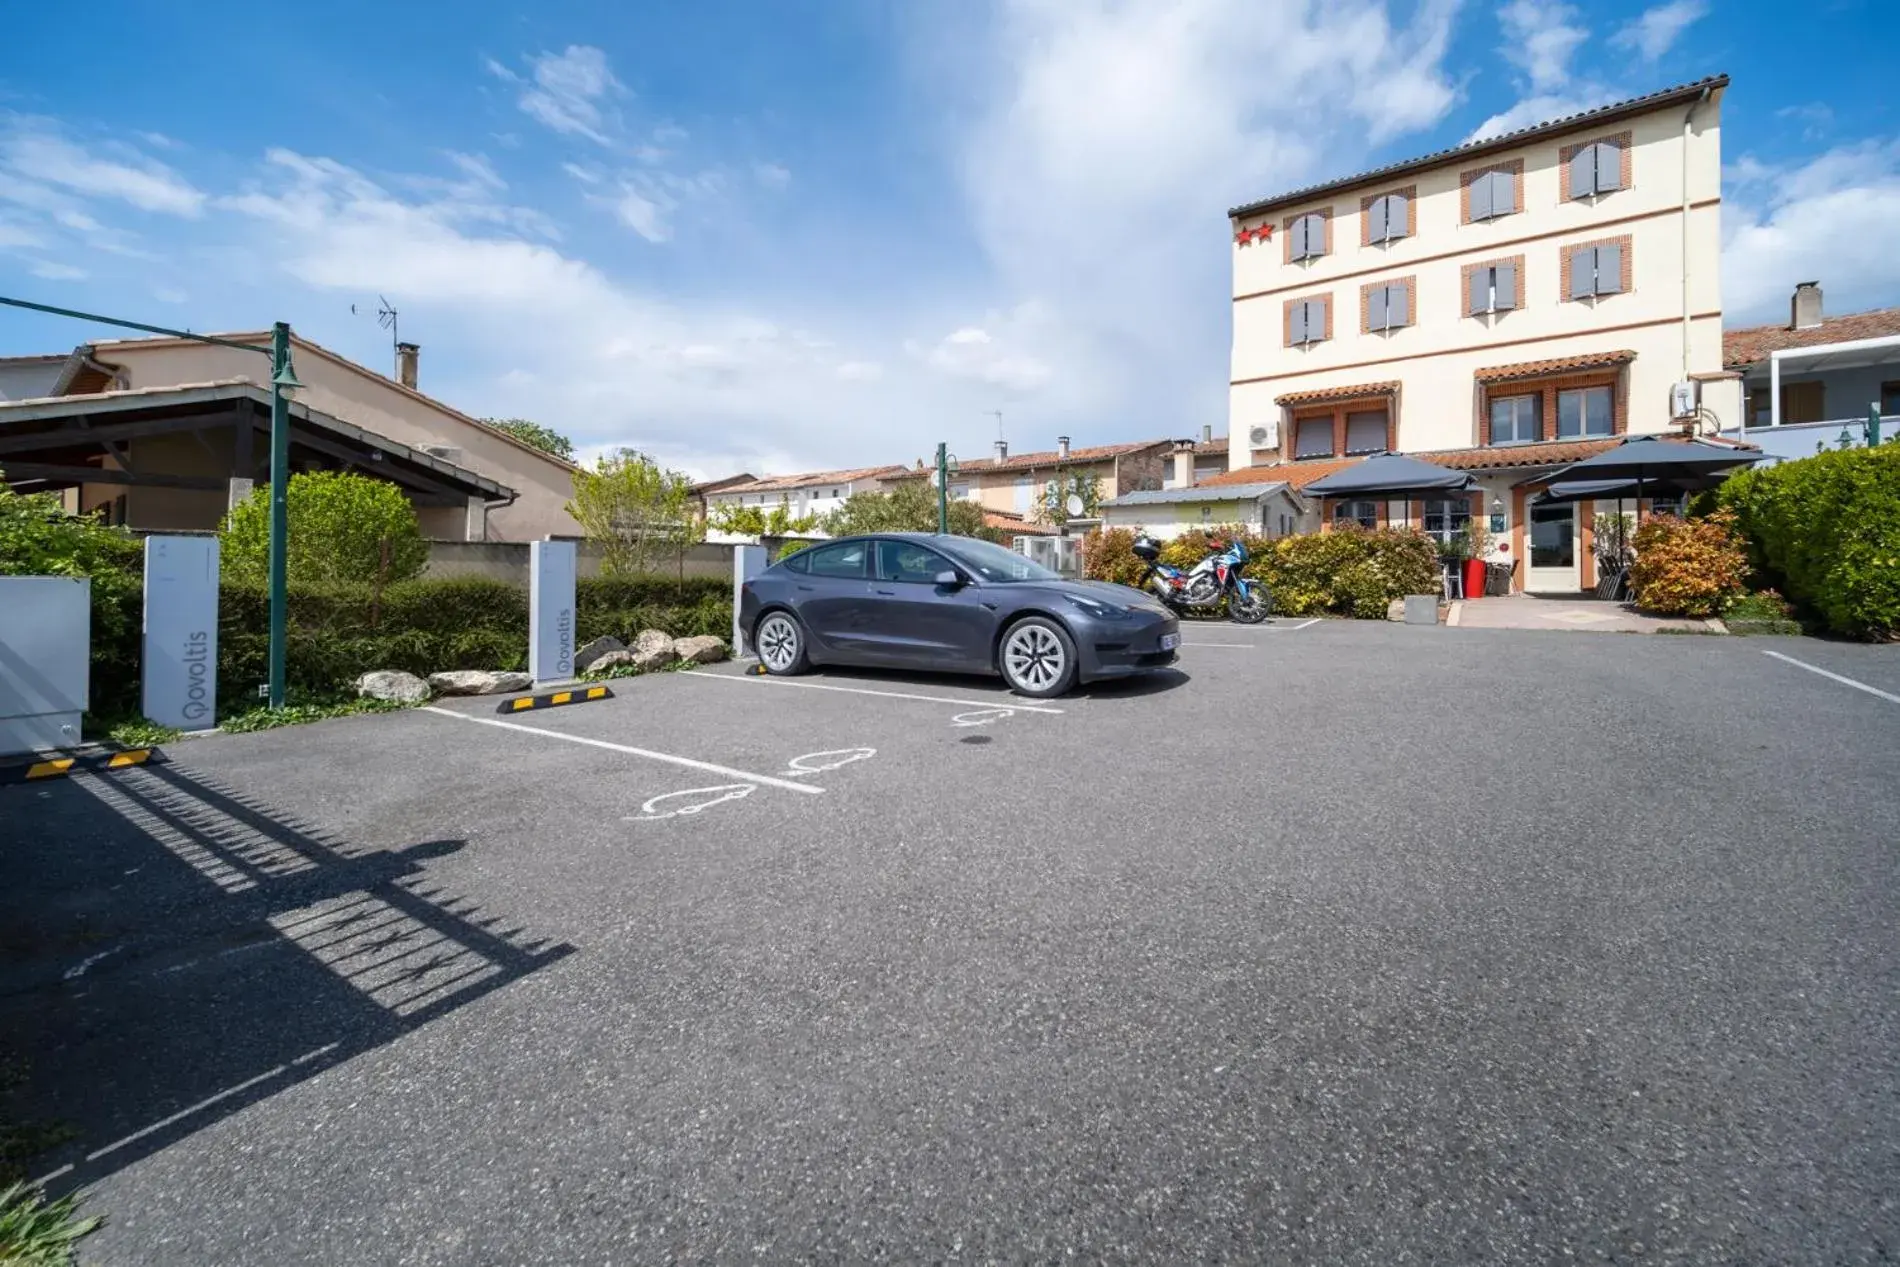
x,y
1212,583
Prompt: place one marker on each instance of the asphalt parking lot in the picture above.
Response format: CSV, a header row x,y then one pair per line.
x,y
1343,943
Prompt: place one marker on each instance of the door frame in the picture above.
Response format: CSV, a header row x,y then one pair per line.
x,y
1555,580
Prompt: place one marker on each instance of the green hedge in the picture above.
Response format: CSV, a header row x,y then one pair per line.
x,y
1825,531
421,627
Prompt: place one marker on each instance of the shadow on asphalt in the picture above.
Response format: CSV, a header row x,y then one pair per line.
x,y
977,683
172,951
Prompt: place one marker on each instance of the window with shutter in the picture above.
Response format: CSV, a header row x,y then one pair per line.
x,y
1583,272
1607,169
1309,236
1504,287
1389,218
1314,438
1296,324
1584,412
1503,195
1480,195
1609,267
1583,178
1365,432
1517,419
1398,304
1478,292
1376,308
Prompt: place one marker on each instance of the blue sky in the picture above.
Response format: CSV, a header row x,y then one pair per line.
x,y
784,234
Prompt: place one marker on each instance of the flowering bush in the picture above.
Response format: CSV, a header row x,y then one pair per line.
x,y
1108,554
1687,567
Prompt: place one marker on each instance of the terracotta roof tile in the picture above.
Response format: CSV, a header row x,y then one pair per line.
x,y
785,483
1555,365
1296,475
1497,457
1753,343
1326,395
1045,457
1006,522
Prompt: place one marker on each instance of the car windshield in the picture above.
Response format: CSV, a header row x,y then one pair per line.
x,y
992,562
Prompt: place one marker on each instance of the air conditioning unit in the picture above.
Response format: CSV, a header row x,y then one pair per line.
x,y
1685,398
1261,437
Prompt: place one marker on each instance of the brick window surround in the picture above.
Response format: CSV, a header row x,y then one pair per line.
x,y
1464,282
1336,411
1567,251
1407,192
1286,231
1411,302
1286,316
1547,388
1625,144
1513,166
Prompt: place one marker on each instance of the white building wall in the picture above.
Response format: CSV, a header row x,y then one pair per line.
x,y
1435,357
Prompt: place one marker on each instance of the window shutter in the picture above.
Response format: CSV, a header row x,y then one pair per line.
x,y
1609,270
1365,432
1583,272
1504,289
1376,308
1583,181
1396,306
1395,216
1481,197
1609,166
1296,323
1314,438
1503,197
1478,296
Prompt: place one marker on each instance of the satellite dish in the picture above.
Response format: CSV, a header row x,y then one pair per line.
x,y
1075,505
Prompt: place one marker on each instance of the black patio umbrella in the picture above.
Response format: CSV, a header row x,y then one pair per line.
x,y
1391,475
1604,490
1649,460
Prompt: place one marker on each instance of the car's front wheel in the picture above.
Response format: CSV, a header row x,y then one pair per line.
x,y
1037,658
780,640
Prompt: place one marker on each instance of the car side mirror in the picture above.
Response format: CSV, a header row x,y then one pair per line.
x,y
949,580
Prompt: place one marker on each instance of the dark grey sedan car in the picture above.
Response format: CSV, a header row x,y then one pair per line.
x,y
951,604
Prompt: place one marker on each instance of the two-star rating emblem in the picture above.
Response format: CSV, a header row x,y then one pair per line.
x,y
1262,234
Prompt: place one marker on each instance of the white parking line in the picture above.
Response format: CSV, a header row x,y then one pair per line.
x,y
650,755
752,679
1844,681
1239,646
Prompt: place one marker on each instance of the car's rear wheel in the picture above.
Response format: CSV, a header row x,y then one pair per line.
x,y
780,640
1037,658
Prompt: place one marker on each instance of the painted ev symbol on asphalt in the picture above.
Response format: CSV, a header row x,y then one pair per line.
x,y
691,801
820,762
982,716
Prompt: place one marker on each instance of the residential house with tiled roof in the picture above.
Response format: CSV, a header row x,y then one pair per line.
x,y
810,493
1810,383
1504,306
1014,483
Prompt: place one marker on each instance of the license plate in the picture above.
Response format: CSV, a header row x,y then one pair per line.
x,y
1170,641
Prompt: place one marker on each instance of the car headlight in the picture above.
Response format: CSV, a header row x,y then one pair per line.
x,y
1098,609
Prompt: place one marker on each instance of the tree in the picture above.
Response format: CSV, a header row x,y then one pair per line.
x,y
344,529
546,439
909,507
634,510
754,521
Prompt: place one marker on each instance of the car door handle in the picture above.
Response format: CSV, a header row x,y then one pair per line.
x,y
806,588
887,593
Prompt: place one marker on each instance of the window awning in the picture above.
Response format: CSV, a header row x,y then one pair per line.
x,y
1338,395
1554,366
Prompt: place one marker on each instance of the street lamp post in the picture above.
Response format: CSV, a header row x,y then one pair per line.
x,y
946,465
283,385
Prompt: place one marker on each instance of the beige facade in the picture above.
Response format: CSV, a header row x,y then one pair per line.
x,y
352,393
1013,484
1433,290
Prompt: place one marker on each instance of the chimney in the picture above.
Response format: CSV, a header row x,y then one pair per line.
x,y
406,354
1804,311
1184,466
1207,433
1062,448
1002,452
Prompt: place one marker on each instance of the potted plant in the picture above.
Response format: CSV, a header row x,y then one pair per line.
x,y
1474,544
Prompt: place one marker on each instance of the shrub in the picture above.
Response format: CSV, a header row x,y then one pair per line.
x,y
1825,531
789,548
1347,571
345,529
38,538
1108,554
1687,567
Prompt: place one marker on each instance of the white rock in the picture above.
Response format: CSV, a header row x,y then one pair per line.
x,y
704,649
393,684
651,640
589,655
478,682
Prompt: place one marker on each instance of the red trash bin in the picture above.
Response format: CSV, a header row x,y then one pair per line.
x,y
1474,578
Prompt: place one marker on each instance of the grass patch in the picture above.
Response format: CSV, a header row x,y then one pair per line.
x,y
1778,625
35,1232
298,714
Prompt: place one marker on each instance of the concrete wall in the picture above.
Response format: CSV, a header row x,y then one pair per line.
x,y
508,560
1434,358
367,399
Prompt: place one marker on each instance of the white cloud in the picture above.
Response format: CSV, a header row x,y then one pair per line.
x,y
1540,38
860,371
17,235
643,214
169,295
78,221
1830,218
1655,31
54,271
34,152
772,175
583,173
565,91
1534,110
971,353
477,168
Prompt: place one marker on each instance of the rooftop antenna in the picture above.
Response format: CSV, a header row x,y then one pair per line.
x,y
386,318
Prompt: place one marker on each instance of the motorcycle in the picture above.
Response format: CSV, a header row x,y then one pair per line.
x,y
1214,581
